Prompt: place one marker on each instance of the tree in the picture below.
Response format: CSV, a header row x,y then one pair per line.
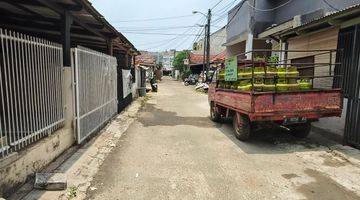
x,y
160,66
179,61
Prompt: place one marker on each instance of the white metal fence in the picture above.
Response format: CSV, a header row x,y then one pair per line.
x,y
96,90
31,80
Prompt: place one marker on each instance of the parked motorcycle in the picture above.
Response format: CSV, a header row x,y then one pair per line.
x,y
191,80
154,85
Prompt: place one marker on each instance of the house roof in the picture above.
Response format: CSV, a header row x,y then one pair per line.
x,y
220,57
198,58
292,27
350,13
145,58
43,18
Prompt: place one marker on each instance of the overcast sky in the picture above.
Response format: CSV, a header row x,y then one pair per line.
x,y
126,16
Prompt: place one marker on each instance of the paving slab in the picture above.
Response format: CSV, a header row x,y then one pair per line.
x,y
50,181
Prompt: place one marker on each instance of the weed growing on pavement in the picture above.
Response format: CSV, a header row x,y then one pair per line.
x,y
72,192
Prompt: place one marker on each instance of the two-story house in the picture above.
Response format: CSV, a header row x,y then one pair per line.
x,y
307,25
217,39
251,17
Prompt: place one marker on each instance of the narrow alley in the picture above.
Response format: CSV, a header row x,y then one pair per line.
x,y
174,151
184,99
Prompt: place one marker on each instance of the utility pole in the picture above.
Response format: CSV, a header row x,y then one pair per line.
x,y
204,57
208,44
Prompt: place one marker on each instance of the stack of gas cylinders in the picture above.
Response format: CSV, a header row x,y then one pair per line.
x,y
265,78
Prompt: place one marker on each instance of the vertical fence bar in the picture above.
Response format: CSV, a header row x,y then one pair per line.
x,y
32,87
42,82
77,94
7,87
56,99
20,91
25,86
11,88
52,85
2,120
47,93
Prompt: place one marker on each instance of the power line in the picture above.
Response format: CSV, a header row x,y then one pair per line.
x,y
267,10
161,44
200,32
217,4
133,29
181,43
233,17
223,13
201,20
225,8
171,42
157,42
147,33
154,19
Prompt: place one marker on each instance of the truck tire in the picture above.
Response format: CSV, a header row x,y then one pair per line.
x,y
301,130
242,127
214,115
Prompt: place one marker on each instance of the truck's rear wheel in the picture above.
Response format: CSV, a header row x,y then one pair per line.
x,y
242,127
301,130
214,115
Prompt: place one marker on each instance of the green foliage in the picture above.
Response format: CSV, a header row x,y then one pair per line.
x,y
273,59
179,61
160,66
72,192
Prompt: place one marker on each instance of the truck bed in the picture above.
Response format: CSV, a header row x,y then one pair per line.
x,y
277,106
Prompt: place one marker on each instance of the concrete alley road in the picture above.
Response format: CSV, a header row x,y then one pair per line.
x,y
174,151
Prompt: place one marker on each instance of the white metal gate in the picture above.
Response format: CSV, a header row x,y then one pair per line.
x,y
96,90
31,96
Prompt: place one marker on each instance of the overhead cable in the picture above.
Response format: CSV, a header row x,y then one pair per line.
x,y
268,10
154,19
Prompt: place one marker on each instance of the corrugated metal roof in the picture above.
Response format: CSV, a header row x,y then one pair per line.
x,y
323,22
43,17
332,14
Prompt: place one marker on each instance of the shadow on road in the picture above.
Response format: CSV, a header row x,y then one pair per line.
x,y
265,141
276,141
153,116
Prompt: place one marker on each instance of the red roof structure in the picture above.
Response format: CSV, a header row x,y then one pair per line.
x,y
145,58
219,57
196,59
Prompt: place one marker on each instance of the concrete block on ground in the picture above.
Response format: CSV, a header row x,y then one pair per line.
x,y
50,181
